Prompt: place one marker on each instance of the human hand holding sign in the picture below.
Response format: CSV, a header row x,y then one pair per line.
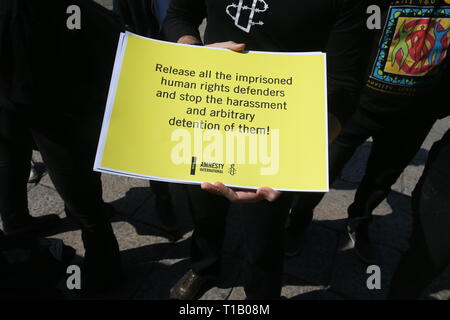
x,y
231,45
241,195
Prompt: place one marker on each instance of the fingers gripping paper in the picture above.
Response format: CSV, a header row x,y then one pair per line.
x,y
191,114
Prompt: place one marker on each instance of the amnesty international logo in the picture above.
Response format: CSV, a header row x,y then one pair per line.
x,y
243,13
232,171
415,41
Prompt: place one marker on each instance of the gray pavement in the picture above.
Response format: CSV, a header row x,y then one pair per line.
x,y
326,269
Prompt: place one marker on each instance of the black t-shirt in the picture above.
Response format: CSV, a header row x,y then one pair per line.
x,y
409,67
332,26
47,66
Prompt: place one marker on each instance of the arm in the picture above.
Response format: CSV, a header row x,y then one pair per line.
x,y
182,21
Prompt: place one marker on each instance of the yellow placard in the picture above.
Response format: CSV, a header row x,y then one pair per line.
x,y
192,114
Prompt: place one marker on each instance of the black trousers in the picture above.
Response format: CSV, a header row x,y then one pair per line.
x,y
263,227
67,145
429,252
395,142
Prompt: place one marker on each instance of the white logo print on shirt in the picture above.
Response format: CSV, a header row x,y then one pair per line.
x,y
258,6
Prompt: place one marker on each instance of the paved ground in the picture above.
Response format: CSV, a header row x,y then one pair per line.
x,y
326,269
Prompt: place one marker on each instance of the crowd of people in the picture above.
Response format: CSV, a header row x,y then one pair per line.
x,y
386,83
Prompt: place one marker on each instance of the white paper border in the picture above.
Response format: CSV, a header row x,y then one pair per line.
x,y
121,48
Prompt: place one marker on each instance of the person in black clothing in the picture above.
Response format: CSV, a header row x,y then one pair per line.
x,y
283,26
143,17
429,251
54,83
394,110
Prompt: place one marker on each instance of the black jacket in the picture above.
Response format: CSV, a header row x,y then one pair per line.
x,y
46,66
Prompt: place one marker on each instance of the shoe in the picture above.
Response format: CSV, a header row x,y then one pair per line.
x,y
35,173
34,225
357,230
190,286
34,177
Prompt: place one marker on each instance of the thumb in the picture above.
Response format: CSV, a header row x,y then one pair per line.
x,y
269,194
237,46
